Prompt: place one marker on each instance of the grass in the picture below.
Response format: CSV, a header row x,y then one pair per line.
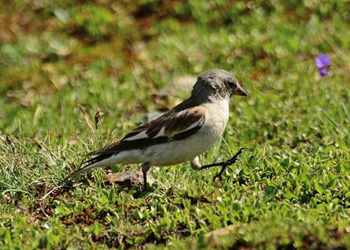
x,y
61,62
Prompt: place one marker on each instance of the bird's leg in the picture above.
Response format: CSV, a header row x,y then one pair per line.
x,y
145,167
224,164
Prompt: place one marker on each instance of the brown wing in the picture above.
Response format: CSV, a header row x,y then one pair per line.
x,y
171,126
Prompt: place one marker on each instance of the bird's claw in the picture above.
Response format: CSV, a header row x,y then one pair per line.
x,y
234,158
219,176
228,163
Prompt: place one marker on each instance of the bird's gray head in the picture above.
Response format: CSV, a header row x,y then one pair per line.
x,y
217,84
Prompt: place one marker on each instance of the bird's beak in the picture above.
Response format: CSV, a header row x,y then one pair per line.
x,y
240,91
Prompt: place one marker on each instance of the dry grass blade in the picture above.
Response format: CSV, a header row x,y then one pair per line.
x,y
87,120
98,115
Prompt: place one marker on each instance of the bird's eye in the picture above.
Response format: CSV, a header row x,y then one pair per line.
x,y
231,83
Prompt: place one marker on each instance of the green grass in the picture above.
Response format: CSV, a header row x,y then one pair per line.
x,y
62,62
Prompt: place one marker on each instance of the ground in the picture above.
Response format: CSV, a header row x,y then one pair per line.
x,y
76,75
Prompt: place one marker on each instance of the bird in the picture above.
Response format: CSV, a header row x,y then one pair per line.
x,y
181,134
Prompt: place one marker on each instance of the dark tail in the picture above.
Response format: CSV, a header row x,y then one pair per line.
x,y
90,164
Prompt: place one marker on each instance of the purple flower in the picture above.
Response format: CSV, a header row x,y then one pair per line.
x,y
323,72
322,63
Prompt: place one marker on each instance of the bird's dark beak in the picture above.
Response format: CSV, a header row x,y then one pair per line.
x,y
240,91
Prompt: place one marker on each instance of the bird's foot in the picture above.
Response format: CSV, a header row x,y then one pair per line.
x,y
224,164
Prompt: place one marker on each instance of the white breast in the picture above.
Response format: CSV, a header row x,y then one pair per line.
x,y
217,117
